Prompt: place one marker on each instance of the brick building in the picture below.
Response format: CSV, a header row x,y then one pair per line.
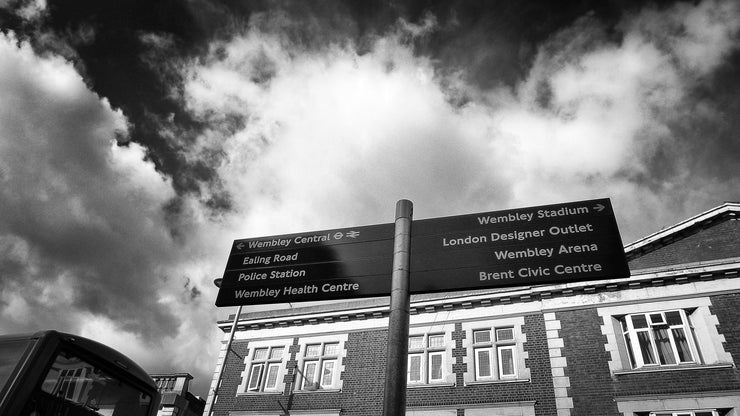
x,y
662,342
176,399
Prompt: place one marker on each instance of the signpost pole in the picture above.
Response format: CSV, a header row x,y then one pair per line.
x,y
214,393
394,400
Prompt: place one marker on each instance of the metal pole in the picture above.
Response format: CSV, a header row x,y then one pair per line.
x,y
394,400
212,397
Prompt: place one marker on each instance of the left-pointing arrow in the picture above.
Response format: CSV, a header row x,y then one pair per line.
x,y
240,246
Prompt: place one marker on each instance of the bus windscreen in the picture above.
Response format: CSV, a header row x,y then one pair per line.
x,y
11,352
73,384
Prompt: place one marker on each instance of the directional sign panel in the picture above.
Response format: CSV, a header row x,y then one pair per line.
x,y
319,265
536,245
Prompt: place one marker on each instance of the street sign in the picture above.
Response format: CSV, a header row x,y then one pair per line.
x,y
319,265
546,244
528,246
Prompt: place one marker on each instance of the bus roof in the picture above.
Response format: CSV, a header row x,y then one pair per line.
x,y
93,347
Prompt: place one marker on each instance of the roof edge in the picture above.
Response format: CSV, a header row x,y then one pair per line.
x,y
705,217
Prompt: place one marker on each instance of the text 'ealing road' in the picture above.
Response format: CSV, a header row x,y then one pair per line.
x,y
319,265
545,244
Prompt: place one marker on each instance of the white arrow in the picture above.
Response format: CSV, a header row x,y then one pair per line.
x,y
240,246
599,207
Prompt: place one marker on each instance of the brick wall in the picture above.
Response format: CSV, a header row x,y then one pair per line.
x,y
718,242
588,370
364,374
727,310
538,363
230,379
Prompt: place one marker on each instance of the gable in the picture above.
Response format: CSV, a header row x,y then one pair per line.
x,y
720,240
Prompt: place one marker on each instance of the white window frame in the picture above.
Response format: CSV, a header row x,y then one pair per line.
x,y
488,351
499,354
708,341
269,367
430,371
425,354
658,320
260,363
420,378
494,348
253,383
316,381
713,412
332,374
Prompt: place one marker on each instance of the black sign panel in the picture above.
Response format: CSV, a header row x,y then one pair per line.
x,y
528,246
343,288
536,245
320,265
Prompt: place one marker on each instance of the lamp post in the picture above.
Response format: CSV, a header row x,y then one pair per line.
x,y
214,392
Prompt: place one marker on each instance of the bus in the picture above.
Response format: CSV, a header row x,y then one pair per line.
x,y
51,373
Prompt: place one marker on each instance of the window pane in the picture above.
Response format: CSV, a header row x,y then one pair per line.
x,y
631,354
416,343
276,353
436,341
331,349
327,373
71,379
665,351
483,363
260,354
646,348
657,319
415,368
435,367
272,375
673,318
505,334
481,336
506,361
309,373
703,414
682,345
254,377
313,350
639,321
10,354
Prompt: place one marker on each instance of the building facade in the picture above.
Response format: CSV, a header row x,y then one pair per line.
x,y
662,342
176,399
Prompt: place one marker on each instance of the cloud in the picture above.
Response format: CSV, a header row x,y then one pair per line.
x,y
86,243
336,135
28,9
301,127
622,115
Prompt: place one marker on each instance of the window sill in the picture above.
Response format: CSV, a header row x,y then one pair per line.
x,y
684,367
426,385
503,381
258,393
321,390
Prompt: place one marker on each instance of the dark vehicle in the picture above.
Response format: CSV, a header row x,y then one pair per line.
x,y
50,373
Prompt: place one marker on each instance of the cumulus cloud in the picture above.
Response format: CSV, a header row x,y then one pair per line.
x,y
334,135
310,132
28,9
85,242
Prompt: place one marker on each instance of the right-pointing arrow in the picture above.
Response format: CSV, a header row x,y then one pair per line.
x,y
599,207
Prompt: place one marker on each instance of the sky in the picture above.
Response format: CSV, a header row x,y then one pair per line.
x,y
139,139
